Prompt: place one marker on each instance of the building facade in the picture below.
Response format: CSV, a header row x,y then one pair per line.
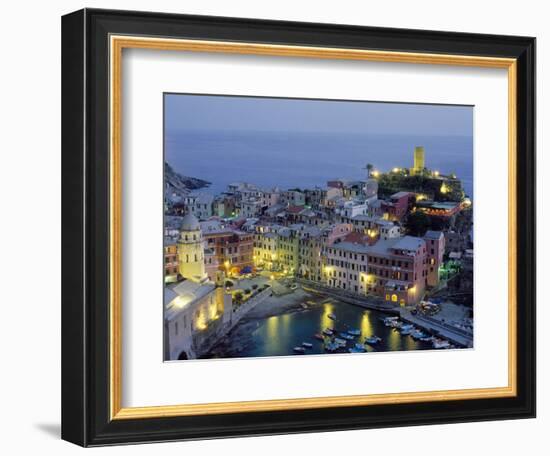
x,y
233,249
396,269
190,250
170,260
194,314
435,247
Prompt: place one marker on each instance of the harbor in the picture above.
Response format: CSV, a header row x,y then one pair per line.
x,y
303,322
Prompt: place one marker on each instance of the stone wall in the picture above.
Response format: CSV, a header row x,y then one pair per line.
x,y
206,339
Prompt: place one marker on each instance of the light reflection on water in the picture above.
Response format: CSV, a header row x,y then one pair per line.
x,y
278,335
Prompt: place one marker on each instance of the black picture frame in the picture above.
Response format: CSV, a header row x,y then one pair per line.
x,y
85,228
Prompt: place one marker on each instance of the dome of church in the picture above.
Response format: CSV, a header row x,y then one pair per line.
x,y
190,223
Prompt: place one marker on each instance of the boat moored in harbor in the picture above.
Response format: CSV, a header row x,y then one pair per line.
x,y
373,340
440,343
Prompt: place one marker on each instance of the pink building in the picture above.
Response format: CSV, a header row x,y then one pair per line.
x,y
398,205
337,232
396,269
435,247
211,263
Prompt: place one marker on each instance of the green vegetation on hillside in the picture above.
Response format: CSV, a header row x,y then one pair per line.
x,y
435,188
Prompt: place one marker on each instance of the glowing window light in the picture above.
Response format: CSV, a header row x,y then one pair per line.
x,y
181,301
201,322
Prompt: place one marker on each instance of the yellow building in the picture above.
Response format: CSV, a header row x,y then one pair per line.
x,y
419,163
265,250
287,250
191,250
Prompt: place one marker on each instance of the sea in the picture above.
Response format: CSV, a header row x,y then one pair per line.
x,y
308,159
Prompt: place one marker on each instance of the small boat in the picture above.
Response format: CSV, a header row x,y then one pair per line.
x,y
319,336
373,340
441,343
356,350
406,332
340,341
304,305
331,347
427,339
417,334
390,321
307,345
299,350
328,331
354,332
332,316
360,347
346,336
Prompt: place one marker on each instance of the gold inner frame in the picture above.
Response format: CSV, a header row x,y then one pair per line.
x,y
117,44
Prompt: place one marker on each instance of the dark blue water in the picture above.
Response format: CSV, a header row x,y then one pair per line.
x,y
288,160
278,335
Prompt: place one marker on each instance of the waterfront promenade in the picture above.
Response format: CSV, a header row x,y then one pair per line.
x,y
436,327
368,302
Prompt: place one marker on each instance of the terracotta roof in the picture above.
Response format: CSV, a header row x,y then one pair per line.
x,y
295,209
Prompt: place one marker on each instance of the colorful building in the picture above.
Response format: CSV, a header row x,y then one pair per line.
x,y
232,248
190,250
265,250
287,250
396,269
398,206
170,260
435,248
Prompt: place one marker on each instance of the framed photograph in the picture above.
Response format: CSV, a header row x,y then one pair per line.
x,y
278,227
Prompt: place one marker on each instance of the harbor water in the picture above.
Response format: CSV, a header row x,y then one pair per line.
x,y
278,335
